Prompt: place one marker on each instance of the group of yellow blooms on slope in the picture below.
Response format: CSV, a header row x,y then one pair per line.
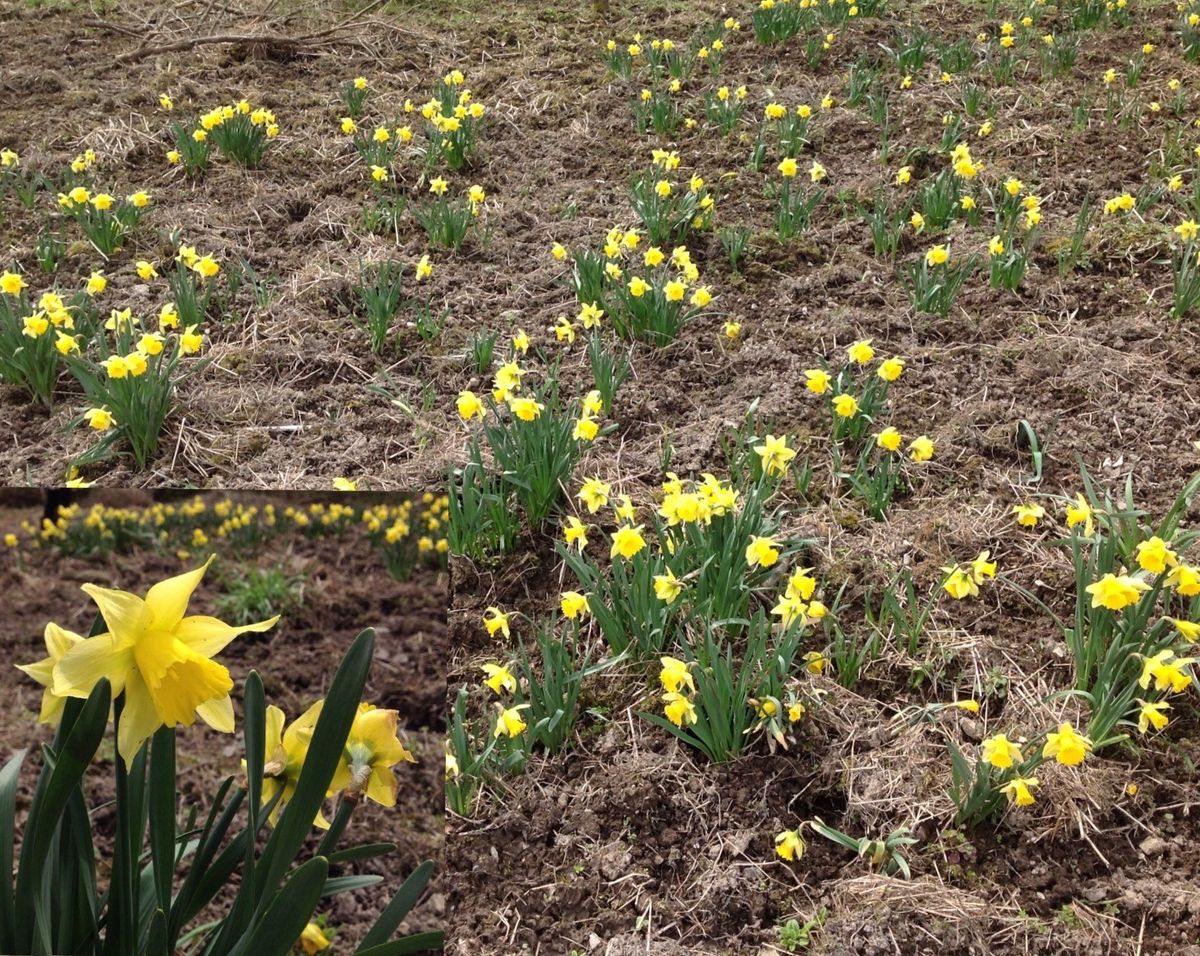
x,y
1067,746
819,381
260,117
967,168
451,121
1115,592
1164,671
619,243
100,201
667,45
430,110
499,679
698,503
506,389
54,313
1188,230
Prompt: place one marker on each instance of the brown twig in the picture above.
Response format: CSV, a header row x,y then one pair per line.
x,y
270,39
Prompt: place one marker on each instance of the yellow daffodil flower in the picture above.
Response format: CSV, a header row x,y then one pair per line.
x,y
1000,752
1066,745
160,659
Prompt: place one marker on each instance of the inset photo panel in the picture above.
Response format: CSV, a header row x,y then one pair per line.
x,y
222,724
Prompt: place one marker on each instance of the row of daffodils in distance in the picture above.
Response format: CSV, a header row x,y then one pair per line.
x,y
408,534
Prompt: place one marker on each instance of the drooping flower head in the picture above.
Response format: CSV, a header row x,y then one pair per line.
x,y
285,751
372,750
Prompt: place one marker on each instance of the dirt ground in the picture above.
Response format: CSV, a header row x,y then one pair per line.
x,y
345,589
624,843
287,403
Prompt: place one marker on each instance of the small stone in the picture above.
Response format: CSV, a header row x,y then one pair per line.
x,y
1153,846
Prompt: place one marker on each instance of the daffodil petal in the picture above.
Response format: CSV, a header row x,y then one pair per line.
x,y
41,671
59,640
139,719
52,708
218,714
126,615
178,679
208,636
273,735
80,669
301,729
382,787
341,778
168,600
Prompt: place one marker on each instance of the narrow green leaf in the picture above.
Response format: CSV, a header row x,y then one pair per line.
x,y
10,775
86,920
367,851
156,938
341,817
162,818
393,914
214,879
324,752
124,891
254,732
284,920
206,849
345,884
418,943
71,761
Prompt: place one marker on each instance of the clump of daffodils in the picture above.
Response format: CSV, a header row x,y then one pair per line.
x,y
856,396
447,218
105,219
644,290
963,580
670,211
535,435
1130,639
36,335
453,120
240,131
354,96
128,371
680,580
